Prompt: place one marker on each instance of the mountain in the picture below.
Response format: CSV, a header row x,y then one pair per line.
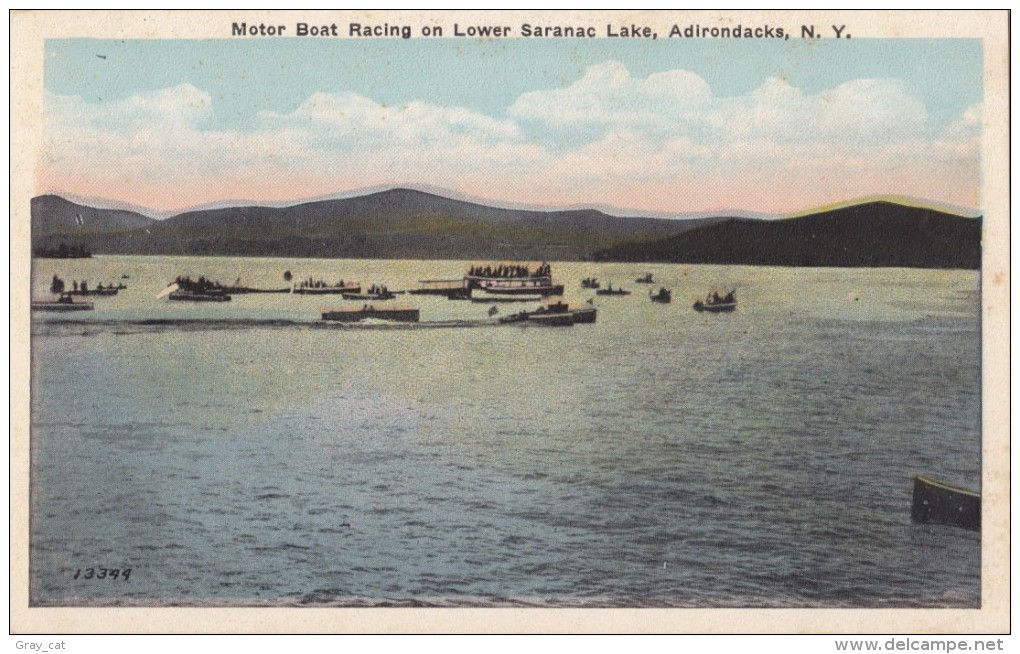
x,y
412,224
874,234
398,223
55,218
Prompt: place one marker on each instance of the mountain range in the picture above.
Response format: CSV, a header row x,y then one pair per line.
x,y
412,224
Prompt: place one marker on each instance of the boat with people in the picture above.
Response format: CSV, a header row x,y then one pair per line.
x,y
554,314
376,292
186,289
369,311
609,290
590,282
63,302
936,502
664,296
645,279
714,303
319,287
513,279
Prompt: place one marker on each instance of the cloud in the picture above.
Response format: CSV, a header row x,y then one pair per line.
x,y
664,142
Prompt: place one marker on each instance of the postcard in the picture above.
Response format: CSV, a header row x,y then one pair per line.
x,y
512,321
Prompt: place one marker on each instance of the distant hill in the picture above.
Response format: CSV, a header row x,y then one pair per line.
x,y
403,223
875,234
55,218
398,223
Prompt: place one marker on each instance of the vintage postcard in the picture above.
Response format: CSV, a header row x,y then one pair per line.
x,y
569,321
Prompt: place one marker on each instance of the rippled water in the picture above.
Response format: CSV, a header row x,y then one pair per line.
x,y
659,457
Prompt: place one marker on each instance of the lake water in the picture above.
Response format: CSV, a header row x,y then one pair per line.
x,y
239,454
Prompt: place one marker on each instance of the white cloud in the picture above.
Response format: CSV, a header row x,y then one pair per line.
x,y
663,142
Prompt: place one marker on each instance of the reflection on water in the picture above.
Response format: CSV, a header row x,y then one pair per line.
x,y
239,454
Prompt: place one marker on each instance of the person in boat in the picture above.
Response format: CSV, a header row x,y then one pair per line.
x,y
729,297
74,284
84,286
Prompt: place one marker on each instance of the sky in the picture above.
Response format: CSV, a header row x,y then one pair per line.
x,y
664,127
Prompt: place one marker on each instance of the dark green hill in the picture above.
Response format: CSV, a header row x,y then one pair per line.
x,y
876,234
55,218
402,223
398,223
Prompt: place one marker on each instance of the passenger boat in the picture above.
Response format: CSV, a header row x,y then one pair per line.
x,y
645,279
513,279
609,290
368,311
664,296
590,282
63,303
715,304
936,502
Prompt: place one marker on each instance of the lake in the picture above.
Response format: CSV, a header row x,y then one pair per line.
x,y
241,454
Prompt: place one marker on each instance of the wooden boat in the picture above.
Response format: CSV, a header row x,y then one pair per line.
x,y
555,314
935,502
715,304
63,303
609,290
664,296
210,295
327,290
645,279
552,319
590,282
243,290
379,297
368,311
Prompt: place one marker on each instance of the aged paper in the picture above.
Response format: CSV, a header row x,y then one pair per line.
x,y
791,226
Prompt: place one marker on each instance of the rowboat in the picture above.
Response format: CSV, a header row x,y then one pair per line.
x,y
716,304
936,502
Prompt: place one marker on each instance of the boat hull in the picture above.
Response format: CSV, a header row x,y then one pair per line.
x,y
178,296
715,308
369,312
62,306
327,290
935,502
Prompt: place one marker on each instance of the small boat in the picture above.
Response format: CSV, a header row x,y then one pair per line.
x,y
367,311
590,282
327,290
714,303
645,279
210,295
243,290
936,502
555,314
375,292
664,296
63,303
609,290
